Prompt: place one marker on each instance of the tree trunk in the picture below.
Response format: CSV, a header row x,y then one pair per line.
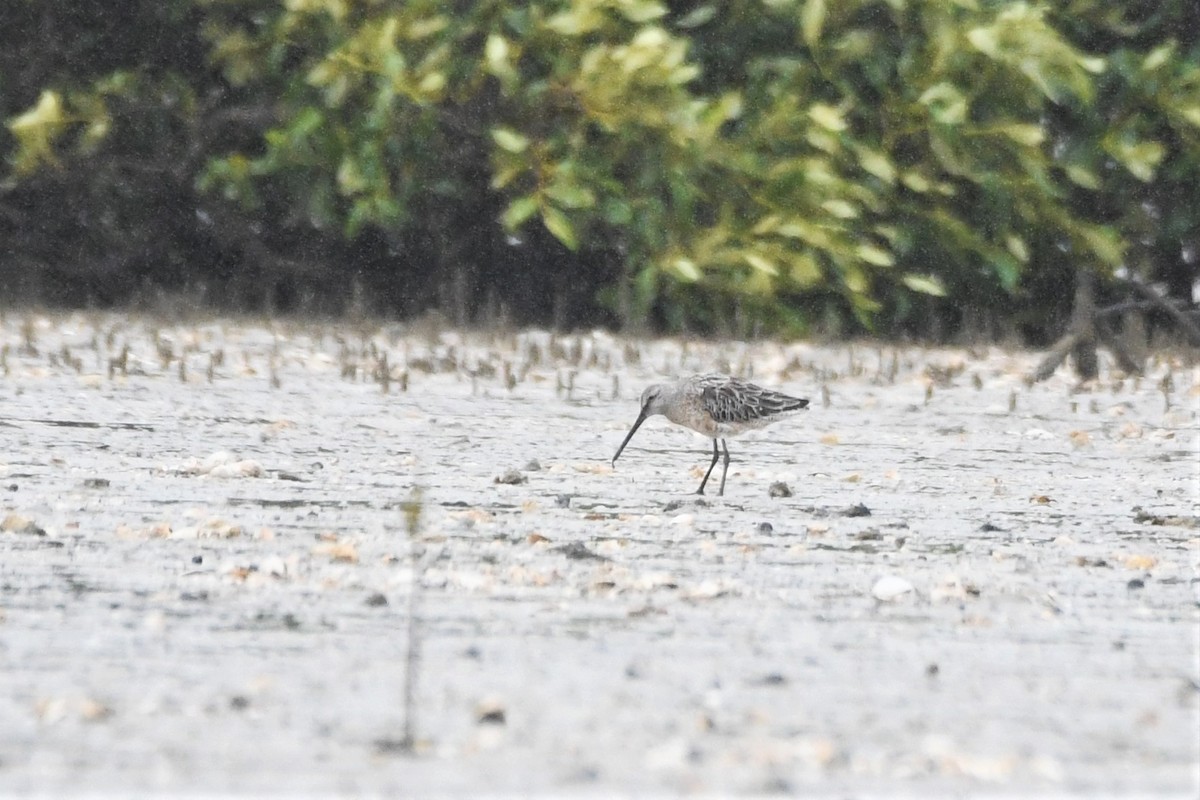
x,y
1083,325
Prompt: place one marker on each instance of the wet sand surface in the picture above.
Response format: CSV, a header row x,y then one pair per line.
x,y
206,567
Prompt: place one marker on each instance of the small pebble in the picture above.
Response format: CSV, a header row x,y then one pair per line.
x,y
577,551
890,587
587,774
765,527
491,712
778,785
857,510
511,477
376,599
386,747
15,523
779,489
533,466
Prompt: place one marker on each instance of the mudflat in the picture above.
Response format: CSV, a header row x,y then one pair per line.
x,y
215,534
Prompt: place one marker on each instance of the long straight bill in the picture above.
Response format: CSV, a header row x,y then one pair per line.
x,y
641,418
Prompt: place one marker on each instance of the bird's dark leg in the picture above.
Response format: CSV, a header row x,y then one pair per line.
x,y
725,471
716,455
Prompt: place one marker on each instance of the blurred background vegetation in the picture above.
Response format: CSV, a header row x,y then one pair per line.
x,y
929,168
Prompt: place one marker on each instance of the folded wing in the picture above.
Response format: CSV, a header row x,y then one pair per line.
x,y
731,401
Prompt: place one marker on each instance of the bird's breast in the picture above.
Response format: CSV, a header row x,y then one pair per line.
x,y
697,421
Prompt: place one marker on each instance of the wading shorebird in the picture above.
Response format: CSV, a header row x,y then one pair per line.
x,y
717,406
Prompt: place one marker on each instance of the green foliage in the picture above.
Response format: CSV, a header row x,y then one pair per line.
x,y
757,163
36,131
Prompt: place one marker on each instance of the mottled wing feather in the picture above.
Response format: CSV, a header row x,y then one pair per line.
x,y
731,401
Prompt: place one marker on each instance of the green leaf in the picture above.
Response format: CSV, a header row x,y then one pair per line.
x,y
984,40
432,84
916,181
761,264
519,211
645,289
424,28
946,103
1158,56
505,175
877,164
557,223
805,271
1104,242
925,284
1140,158
1007,269
574,21
700,15
617,212
510,140
768,224
46,114
350,178
716,114
642,11
686,269
874,255
1083,176
36,130
812,21
1016,245
840,209
495,51
856,280
1028,135
806,232
828,117
570,195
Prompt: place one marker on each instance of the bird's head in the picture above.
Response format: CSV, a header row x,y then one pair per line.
x,y
653,402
